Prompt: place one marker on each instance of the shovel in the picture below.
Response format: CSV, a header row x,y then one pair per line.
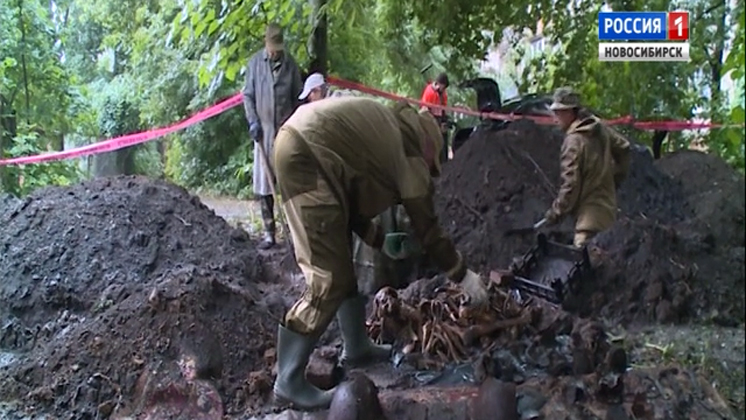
x,y
531,229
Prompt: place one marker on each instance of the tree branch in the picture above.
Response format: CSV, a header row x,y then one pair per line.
x,y
711,9
23,60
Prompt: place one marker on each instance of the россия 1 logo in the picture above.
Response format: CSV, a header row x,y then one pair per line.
x,y
643,26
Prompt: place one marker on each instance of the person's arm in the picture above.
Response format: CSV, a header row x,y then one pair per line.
x,y
620,153
417,190
426,95
249,94
434,240
569,192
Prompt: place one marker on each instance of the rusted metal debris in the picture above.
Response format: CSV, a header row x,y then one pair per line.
x,y
446,329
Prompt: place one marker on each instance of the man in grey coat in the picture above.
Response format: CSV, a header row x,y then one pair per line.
x,y
270,96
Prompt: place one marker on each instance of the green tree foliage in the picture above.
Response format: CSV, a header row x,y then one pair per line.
x,y
733,145
647,91
92,70
30,177
34,88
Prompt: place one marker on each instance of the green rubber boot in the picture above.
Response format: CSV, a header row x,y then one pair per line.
x,y
358,347
291,386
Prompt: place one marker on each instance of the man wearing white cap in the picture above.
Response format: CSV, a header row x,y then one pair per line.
x,y
315,88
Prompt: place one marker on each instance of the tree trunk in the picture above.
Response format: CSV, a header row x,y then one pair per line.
x,y
119,162
716,60
23,61
8,131
317,43
119,118
162,147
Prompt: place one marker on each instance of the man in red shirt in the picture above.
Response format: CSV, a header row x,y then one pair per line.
x,y
435,93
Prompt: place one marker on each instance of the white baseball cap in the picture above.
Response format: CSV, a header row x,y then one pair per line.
x,y
312,82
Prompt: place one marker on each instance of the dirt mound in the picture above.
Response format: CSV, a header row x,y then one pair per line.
x,y
676,253
507,179
106,280
62,247
648,193
681,271
669,273
717,194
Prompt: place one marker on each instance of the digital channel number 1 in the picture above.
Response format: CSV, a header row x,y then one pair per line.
x,y
678,26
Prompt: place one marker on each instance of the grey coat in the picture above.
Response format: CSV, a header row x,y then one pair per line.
x,y
270,101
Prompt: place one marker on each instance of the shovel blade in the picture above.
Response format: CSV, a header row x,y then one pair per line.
x,y
525,230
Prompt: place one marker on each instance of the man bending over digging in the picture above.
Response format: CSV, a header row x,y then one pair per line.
x,y
340,163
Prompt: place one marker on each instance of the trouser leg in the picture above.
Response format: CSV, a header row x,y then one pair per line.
x,y
321,237
267,206
323,251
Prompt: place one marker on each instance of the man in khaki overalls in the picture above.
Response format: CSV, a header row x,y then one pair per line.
x,y
340,163
373,268
594,161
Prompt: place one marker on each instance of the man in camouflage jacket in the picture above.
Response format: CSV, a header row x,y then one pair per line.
x,y
594,161
340,162
373,268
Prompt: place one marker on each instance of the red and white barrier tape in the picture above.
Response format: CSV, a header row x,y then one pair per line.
x,y
143,137
129,139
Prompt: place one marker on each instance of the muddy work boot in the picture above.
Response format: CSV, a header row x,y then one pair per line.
x,y
268,241
291,387
267,204
358,347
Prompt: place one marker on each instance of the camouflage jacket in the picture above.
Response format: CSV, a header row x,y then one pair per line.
x,y
594,159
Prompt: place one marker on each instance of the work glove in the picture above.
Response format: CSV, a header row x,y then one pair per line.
x,y
397,246
255,131
552,217
473,286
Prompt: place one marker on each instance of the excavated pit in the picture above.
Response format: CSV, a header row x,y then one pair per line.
x,y
557,367
127,298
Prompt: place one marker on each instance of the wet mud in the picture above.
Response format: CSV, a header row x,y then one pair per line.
x,y
127,298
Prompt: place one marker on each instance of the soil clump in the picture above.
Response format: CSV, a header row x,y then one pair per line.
x,y
106,282
678,242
